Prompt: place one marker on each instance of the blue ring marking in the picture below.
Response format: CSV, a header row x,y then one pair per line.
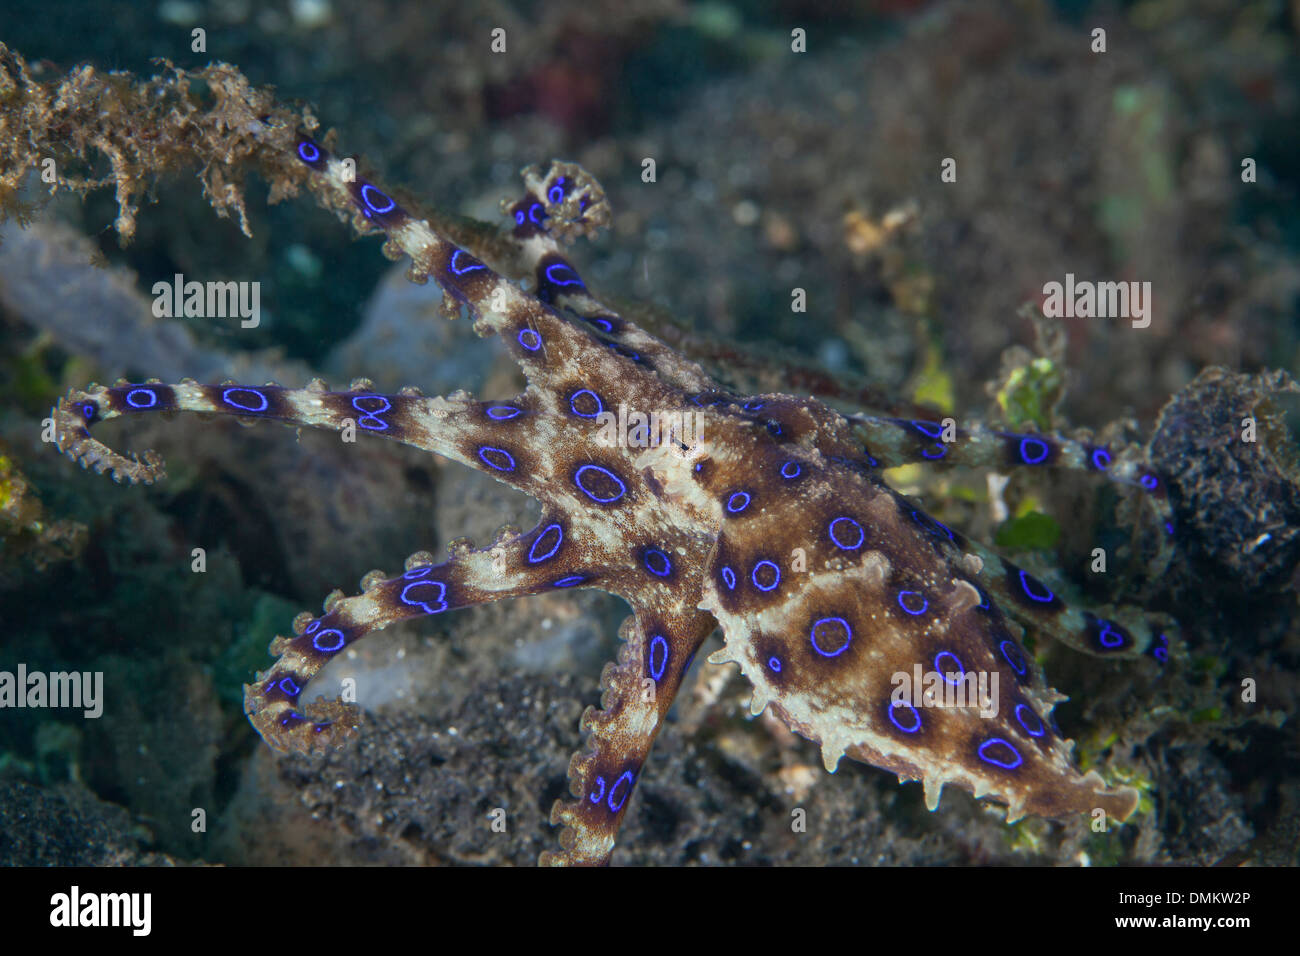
x,y
1115,632
503,413
753,575
848,636
153,398
1024,453
420,571
315,641
921,427
519,217
225,397
89,409
1169,527
752,405
844,546
599,795
624,777
573,399
533,211
656,553
1004,764
891,707
601,323
1149,482
1161,651
532,337
551,193
1025,579
1012,655
312,626
1100,459
425,605
735,507
660,642
472,266
570,580
534,557
984,603
366,190
483,456
375,423
1021,710
729,578
924,603
943,450
945,671
308,151
577,480
786,471
575,280
774,663
290,687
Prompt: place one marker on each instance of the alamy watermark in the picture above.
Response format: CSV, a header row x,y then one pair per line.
x,y
133,911
208,300
957,688
633,429
1103,300
77,689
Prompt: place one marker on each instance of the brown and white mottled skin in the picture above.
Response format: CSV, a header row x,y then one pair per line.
x,y
768,521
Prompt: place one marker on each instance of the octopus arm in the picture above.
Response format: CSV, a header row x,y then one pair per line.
x,y
1125,633
899,441
549,348
514,566
996,582
638,689
491,437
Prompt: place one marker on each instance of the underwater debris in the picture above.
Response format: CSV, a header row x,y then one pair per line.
x,y
1232,471
28,539
142,128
